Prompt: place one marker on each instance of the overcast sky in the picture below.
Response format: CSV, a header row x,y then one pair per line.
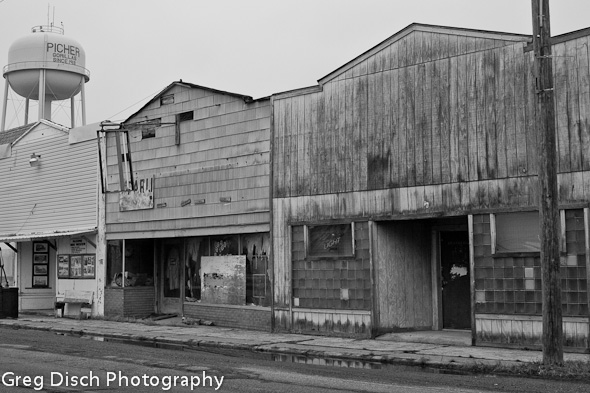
x,y
135,48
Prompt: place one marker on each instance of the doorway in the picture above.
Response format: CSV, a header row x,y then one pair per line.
x,y
172,274
455,280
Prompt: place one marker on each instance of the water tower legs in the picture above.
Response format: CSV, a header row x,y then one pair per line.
x,y
27,102
5,101
83,104
72,113
42,94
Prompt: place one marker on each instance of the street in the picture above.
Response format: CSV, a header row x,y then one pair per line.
x,y
45,361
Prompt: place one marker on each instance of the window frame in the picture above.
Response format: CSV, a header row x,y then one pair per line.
x,y
494,237
167,99
307,242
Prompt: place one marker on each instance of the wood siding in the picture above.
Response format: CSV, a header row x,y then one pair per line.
x,y
527,331
432,123
334,322
432,113
59,194
223,153
403,284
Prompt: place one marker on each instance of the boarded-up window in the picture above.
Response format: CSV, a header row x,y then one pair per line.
x,y
517,232
148,133
330,240
148,128
167,99
186,116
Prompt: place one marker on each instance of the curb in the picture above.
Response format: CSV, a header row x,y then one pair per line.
x,y
405,359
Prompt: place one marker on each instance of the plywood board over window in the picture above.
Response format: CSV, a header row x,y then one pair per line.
x,y
223,279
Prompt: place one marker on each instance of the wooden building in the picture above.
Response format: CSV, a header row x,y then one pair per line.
x,y
50,211
405,193
187,208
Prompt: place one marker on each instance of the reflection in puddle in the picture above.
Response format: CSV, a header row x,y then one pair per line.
x,y
284,358
326,362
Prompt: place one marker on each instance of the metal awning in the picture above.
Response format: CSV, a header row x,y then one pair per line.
x,y
23,237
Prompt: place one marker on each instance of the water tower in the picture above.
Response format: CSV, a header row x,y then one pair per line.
x,y
46,66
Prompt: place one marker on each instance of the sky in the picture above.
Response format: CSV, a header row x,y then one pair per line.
x,y
135,48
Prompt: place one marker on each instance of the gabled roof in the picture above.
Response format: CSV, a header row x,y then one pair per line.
x,y
425,28
569,36
48,123
190,85
9,136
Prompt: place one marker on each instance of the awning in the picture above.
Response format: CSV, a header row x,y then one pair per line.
x,y
24,237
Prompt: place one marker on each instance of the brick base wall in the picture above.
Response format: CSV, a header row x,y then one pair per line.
x,y
129,302
247,317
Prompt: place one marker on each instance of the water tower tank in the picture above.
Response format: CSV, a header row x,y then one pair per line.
x,y
46,66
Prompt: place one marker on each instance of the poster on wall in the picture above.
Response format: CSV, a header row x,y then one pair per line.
x,y
75,266
40,270
40,258
88,266
40,281
40,264
63,266
40,247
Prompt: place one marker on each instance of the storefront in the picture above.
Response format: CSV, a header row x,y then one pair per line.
x,y
186,181
50,214
186,273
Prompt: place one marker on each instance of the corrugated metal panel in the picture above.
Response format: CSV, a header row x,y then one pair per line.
x,y
47,235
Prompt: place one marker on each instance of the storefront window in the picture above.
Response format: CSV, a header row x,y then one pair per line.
x,y
255,248
224,245
114,260
517,232
197,247
130,263
330,240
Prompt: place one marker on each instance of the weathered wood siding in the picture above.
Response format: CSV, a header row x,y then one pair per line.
x,y
59,194
430,110
403,278
223,152
527,331
427,124
347,323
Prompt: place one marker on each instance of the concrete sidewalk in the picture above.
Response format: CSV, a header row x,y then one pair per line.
x,y
416,348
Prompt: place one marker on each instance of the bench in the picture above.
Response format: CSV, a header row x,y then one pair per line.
x,y
82,298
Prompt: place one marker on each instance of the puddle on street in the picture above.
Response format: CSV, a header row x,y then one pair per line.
x,y
283,358
346,363
141,343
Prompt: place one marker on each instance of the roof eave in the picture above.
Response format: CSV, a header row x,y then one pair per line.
x,y
425,28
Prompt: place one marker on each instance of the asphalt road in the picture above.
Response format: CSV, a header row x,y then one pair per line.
x,y
57,363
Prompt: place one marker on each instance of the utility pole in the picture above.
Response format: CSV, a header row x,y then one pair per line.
x,y
548,195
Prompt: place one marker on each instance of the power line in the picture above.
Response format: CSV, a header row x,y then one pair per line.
x,y
132,105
